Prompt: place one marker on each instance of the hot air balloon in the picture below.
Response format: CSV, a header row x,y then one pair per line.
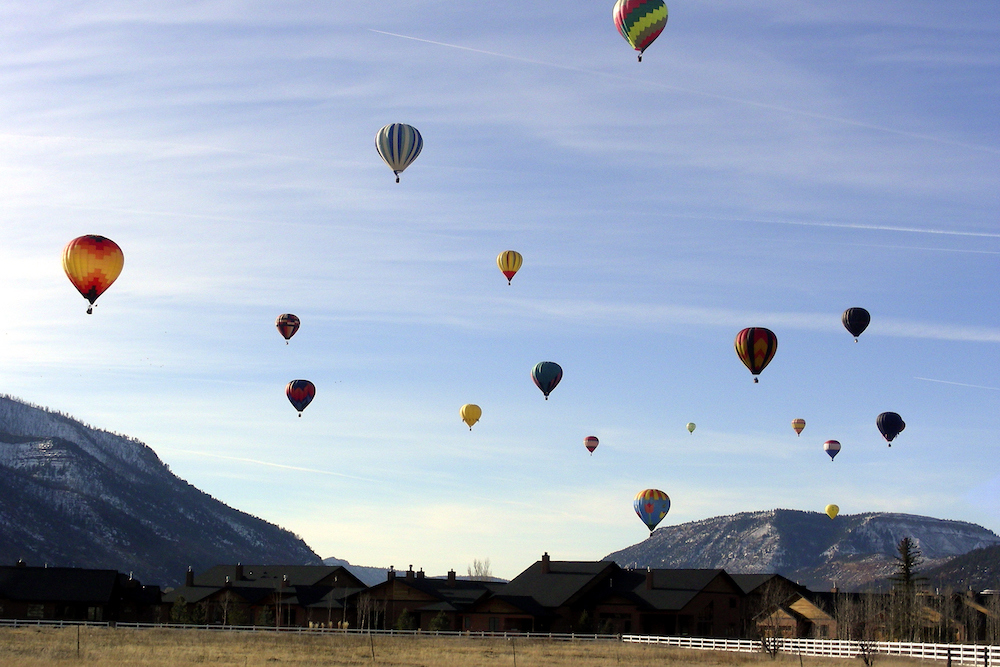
x,y
640,21
651,505
798,425
92,263
399,145
832,511
831,447
470,414
300,393
591,442
756,347
856,320
287,325
890,425
509,262
691,427
546,375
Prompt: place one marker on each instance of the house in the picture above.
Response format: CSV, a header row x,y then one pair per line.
x,y
796,616
279,595
75,594
427,602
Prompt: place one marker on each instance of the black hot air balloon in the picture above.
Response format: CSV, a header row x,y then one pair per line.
x,y
890,425
856,320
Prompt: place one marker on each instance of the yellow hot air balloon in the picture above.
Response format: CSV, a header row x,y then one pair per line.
x,y
690,427
832,511
798,425
509,262
92,263
470,414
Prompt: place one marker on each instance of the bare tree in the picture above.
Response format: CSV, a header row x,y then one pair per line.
x,y
480,570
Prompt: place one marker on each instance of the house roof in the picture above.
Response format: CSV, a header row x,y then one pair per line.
x,y
459,593
58,584
564,582
272,575
671,590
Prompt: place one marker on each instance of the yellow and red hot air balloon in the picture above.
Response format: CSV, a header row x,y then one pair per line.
x,y
470,413
92,263
798,425
756,347
509,262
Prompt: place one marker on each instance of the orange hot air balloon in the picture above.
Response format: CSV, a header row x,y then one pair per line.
x,y
755,347
92,263
798,425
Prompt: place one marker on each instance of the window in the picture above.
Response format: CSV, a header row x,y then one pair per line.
x,y
36,611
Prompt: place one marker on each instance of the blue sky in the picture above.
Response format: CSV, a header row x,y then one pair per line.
x,y
767,164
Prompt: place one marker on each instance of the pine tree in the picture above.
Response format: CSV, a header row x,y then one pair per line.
x,y
904,584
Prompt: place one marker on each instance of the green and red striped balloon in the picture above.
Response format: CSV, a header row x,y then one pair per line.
x,y
640,21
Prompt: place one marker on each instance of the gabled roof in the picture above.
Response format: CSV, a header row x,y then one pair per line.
x,y
57,584
565,581
671,590
459,593
272,575
751,582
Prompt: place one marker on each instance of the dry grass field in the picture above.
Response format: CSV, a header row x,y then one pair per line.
x,y
35,647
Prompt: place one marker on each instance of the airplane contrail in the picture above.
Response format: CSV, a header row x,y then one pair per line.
x,y
701,93
960,384
845,225
274,465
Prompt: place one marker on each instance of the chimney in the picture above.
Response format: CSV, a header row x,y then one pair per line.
x,y
649,579
410,573
390,574
420,574
189,577
284,581
21,563
239,572
451,578
228,582
545,563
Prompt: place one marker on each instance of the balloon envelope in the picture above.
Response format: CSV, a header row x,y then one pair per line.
x,y
509,262
798,425
399,145
690,427
640,21
890,425
755,347
651,505
546,375
470,414
300,393
591,442
92,263
831,447
287,325
832,511
856,321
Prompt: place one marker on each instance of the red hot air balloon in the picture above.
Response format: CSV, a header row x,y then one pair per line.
x,y
92,263
300,393
287,325
591,442
798,425
756,347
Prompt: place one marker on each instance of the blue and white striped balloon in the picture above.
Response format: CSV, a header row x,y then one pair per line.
x,y
399,145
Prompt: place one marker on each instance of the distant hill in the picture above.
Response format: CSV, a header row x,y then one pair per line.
x,y
369,575
852,551
977,570
76,496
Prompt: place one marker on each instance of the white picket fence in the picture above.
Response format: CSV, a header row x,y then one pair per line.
x,y
959,654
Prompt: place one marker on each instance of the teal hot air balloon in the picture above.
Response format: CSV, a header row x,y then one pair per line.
x,y
640,21
651,505
399,145
546,375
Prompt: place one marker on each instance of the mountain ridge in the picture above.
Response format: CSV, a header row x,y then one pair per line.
x,y
74,495
850,552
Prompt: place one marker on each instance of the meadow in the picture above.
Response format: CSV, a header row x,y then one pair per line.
x,y
35,647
